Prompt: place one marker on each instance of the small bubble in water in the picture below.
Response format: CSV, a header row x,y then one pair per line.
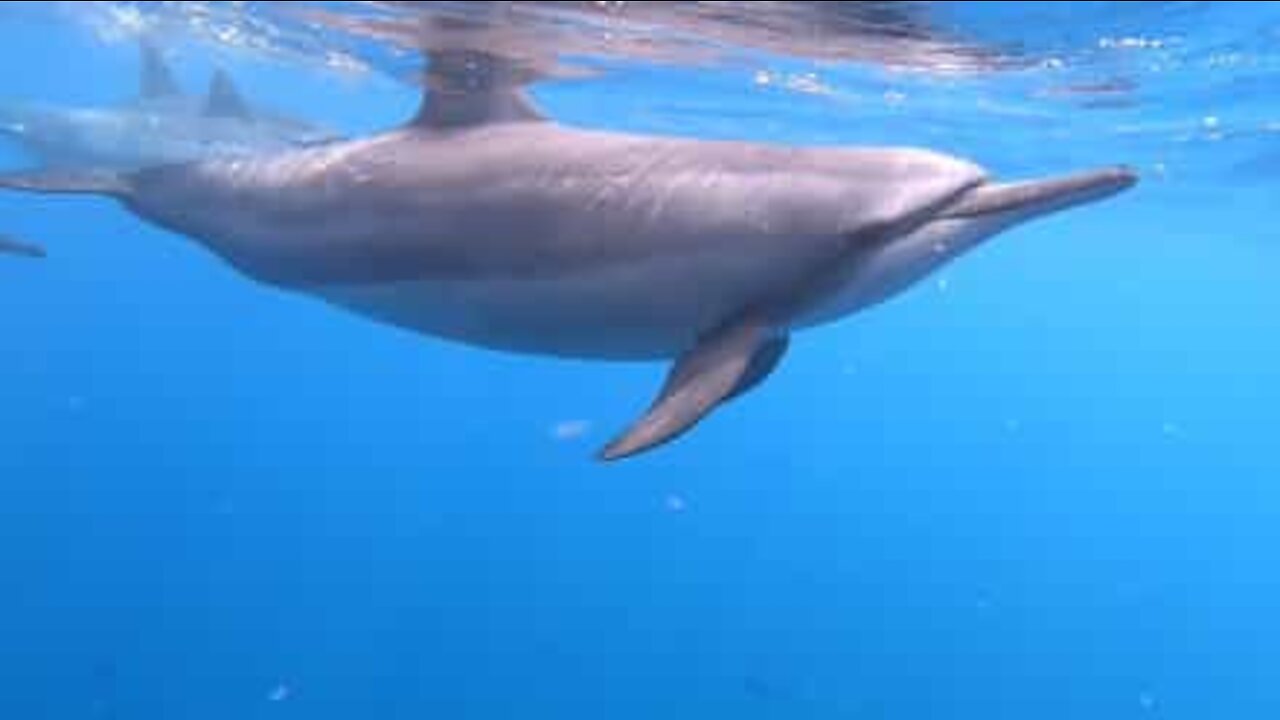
x,y
1147,701
808,83
567,430
279,693
1130,43
676,504
894,97
943,285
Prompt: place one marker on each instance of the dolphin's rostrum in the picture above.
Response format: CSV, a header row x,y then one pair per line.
x,y
484,222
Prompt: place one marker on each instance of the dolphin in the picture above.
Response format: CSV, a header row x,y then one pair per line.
x,y
485,222
20,248
162,125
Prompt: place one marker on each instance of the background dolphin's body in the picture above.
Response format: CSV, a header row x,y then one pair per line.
x,y
162,125
21,248
485,223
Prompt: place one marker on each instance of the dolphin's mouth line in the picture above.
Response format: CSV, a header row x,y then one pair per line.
x,y
1041,196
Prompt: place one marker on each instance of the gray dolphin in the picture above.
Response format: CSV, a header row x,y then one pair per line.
x,y
484,222
21,248
161,125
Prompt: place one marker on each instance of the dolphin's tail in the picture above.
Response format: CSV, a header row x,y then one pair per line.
x,y
67,182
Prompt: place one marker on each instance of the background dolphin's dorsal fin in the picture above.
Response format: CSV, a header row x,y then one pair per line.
x,y
467,88
156,78
225,99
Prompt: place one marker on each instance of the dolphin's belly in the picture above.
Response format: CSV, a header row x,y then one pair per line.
x,y
650,310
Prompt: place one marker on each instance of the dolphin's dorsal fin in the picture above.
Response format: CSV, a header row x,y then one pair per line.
x,y
225,99
156,78
468,88
723,366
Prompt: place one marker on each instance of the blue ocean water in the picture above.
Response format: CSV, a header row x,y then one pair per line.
x,y
1041,484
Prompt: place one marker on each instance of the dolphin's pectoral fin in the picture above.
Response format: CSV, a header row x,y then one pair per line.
x,y
723,366
763,363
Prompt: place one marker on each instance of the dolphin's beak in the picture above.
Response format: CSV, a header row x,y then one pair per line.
x,y
1041,197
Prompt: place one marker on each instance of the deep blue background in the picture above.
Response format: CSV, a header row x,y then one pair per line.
x,y
1043,484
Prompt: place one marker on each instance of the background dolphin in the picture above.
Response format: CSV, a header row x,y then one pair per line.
x,y
161,125
484,222
21,248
